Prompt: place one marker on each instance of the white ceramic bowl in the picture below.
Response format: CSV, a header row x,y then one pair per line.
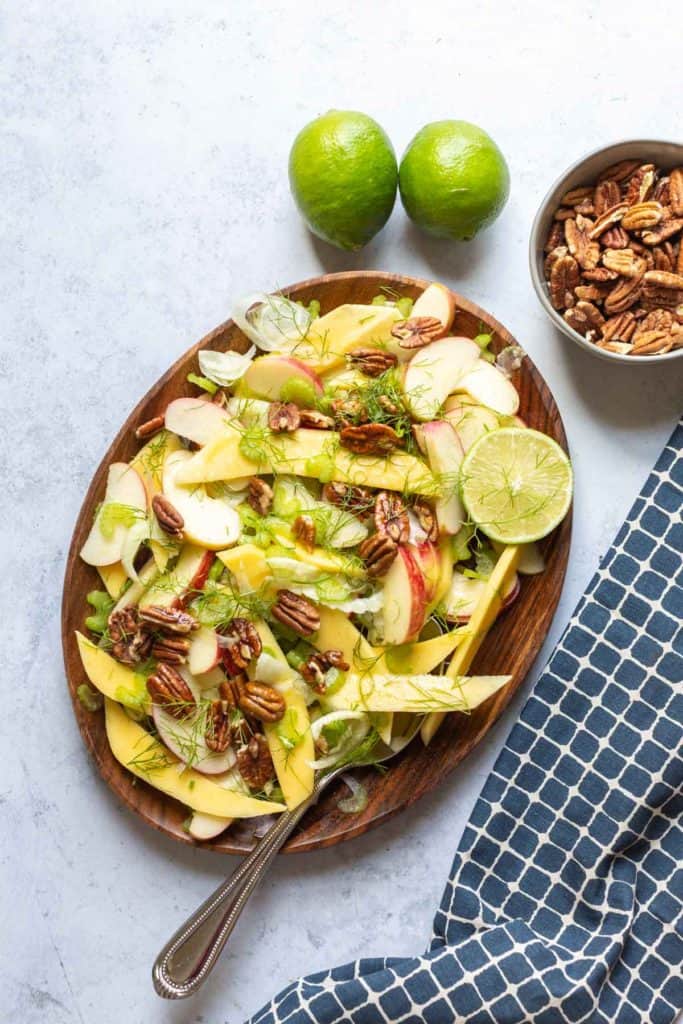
x,y
584,172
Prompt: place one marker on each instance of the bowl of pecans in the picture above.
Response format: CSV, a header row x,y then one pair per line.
x,y
606,252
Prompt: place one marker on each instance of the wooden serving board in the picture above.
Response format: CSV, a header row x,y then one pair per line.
x,y
510,648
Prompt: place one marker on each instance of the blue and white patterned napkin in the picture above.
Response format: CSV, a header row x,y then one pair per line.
x,y
565,900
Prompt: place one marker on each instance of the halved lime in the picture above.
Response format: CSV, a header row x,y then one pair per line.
x,y
516,484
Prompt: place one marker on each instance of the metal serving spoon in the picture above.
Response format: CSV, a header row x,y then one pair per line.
x,y
187,959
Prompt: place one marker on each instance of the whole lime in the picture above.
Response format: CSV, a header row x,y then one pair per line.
x,y
453,179
343,172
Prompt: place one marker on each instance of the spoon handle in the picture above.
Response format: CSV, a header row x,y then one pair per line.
x,y
187,959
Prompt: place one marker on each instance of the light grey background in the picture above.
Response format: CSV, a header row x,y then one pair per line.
x,y
143,166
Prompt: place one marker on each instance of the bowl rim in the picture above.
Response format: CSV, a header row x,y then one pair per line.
x,y
537,278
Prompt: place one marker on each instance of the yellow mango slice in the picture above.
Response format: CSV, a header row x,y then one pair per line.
x,y
148,759
221,459
248,565
114,577
424,656
292,763
109,676
415,693
149,461
342,329
484,616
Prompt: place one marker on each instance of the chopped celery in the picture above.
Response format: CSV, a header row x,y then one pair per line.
x,y
461,543
90,699
404,306
202,382
298,391
102,604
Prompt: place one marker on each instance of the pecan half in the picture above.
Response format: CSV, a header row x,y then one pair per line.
x,y
171,649
600,275
168,517
585,252
297,612
621,347
564,278
624,262
260,496
373,362
378,552
661,257
676,191
391,517
619,328
584,317
620,171
625,293
260,701
314,420
149,428
255,763
665,229
131,643
218,732
168,688
607,194
169,620
304,531
230,689
283,417
642,215
607,220
241,644
640,185
662,191
316,666
653,343
418,331
551,259
348,410
576,195
354,499
592,292
556,237
657,320
426,517
369,439
615,238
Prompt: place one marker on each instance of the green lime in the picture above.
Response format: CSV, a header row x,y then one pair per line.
x,y
453,179
516,484
342,173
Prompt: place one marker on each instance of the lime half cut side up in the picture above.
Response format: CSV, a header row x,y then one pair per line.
x,y
516,485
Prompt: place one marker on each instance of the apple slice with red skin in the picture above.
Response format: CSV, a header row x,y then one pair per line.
x,y
184,738
436,301
267,375
124,487
405,599
195,419
445,454
488,386
465,593
434,372
204,653
428,558
208,521
175,589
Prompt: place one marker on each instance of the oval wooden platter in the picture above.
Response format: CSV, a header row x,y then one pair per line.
x,y
510,647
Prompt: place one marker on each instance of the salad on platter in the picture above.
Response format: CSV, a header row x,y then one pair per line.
x,y
307,552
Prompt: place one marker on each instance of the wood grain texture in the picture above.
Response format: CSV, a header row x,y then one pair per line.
x,y
510,648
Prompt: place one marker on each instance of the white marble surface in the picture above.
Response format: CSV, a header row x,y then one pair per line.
x,y
143,166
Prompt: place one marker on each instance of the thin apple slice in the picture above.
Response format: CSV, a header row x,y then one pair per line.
x,y
434,372
195,419
207,521
487,385
470,421
405,599
189,575
204,653
206,826
436,301
445,455
428,558
267,375
185,737
531,561
125,490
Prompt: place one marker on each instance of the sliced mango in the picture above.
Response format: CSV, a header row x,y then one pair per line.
x,y
415,693
425,655
146,757
484,616
248,565
114,578
292,763
347,327
149,461
109,676
309,453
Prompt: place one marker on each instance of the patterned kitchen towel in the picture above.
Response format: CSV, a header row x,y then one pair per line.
x,y
565,901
